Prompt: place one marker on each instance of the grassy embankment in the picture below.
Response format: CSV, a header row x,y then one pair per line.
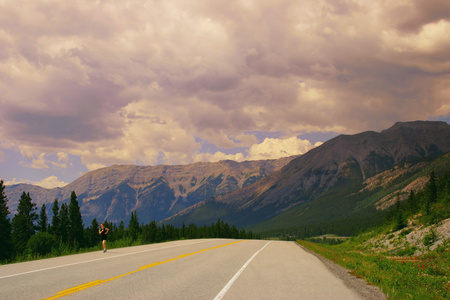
x,y
425,276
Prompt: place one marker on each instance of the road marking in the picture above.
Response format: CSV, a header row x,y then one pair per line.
x,y
97,259
225,289
97,282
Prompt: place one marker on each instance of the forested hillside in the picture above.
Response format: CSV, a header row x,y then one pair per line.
x,y
408,255
32,235
350,209
339,182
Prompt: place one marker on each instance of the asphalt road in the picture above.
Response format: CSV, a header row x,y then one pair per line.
x,y
189,269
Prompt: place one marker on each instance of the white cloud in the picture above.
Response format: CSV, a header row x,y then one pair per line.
x,y
218,156
49,182
270,148
94,166
13,181
277,148
38,162
62,162
62,157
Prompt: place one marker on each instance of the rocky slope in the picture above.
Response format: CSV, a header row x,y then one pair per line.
x,y
339,164
155,192
416,237
310,186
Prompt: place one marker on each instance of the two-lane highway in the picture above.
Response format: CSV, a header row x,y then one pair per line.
x,y
189,269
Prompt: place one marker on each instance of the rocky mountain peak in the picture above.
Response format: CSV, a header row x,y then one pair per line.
x,y
155,192
416,125
340,163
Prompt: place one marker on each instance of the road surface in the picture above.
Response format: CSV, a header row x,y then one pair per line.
x,y
188,269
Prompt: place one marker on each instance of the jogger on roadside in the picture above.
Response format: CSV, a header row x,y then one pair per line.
x,y
103,231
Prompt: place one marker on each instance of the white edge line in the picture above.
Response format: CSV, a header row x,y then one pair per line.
x,y
225,289
92,260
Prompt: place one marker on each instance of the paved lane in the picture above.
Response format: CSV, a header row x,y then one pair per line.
x,y
190,269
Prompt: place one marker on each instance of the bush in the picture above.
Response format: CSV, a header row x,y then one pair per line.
x,y
430,238
41,244
407,250
406,232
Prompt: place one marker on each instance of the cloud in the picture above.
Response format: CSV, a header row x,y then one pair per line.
x,y
276,148
143,82
37,162
51,182
42,160
218,156
411,16
48,183
270,148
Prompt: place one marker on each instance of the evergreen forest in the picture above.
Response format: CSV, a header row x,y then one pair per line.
x,y
31,235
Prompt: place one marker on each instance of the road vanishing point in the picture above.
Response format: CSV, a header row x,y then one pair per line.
x,y
188,269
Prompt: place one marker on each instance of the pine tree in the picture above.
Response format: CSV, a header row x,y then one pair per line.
x,y
430,194
64,228
133,227
43,221
431,188
400,220
447,194
153,231
183,230
56,223
75,221
5,226
161,234
121,231
23,227
411,202
93,237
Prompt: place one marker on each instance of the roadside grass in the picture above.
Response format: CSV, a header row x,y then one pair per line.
x,y
425,276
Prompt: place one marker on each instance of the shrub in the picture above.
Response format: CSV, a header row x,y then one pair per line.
x,y
41,244
430,238
407,250
406,232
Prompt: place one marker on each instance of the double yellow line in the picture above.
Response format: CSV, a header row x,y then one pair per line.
x,y
97,282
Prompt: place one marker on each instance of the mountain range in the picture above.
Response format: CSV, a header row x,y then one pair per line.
x,y
332,182
154,192
329,182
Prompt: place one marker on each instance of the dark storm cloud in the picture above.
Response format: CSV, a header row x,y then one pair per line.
x,y
413,15
60,128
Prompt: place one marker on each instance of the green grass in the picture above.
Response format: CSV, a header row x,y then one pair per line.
x,y
410,277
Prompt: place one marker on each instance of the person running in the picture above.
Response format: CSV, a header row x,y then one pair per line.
x,y
103,231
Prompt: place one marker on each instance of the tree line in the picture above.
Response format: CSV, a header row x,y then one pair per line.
x,y
30,234
429,205
432,203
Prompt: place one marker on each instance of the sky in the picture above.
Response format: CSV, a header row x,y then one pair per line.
x,y
87,84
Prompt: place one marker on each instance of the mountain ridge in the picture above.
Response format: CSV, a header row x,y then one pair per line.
x,y
153,191
243,193
345,160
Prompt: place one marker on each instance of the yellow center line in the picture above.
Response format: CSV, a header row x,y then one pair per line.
x,y
97,282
